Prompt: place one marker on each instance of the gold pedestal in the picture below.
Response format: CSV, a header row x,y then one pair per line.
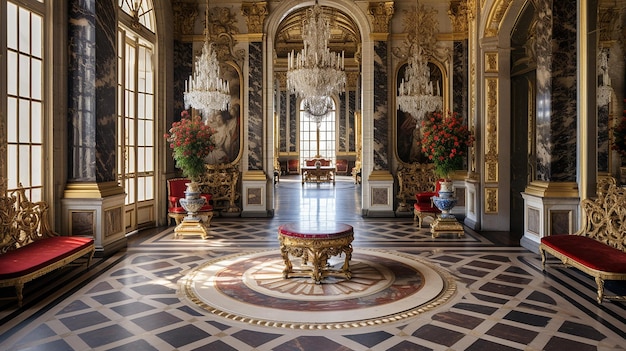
x,y
446,226
191,227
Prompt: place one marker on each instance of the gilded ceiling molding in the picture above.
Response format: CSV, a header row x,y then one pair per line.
x,y
352,79
255,13
184,17
494,20
223,29
491,131
608,24
459,18
470,6
281,78
380,14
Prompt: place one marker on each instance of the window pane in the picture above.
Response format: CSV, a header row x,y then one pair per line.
x,y
24,78
37,163
24,165
12,156
36,87
37,43
12,120
12,73
37,122
24,121
24,29
11,26
141,189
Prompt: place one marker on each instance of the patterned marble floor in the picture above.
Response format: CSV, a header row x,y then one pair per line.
x,y
133,300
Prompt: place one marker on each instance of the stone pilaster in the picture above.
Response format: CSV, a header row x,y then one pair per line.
x,y
93,203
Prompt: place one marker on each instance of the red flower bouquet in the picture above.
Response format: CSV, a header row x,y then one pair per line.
x,y
445,140
190,140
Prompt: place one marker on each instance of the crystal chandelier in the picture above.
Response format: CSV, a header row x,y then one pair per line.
x,y
316,108
416,95
316,73
206,91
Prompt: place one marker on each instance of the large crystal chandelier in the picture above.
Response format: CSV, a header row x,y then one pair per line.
x,y
206,91
316,73
416,94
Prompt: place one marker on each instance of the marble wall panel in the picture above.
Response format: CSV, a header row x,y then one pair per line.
x,y
255,108
183,67
293,120
282,120
556,90
460,78
351,125
603,138
92,86
342,135
381,109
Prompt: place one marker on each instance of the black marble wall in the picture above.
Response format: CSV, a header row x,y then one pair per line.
x,y
183,67
92,86
460,78
556,90
293,119
255,109
282,121
342,123
351,125
381,109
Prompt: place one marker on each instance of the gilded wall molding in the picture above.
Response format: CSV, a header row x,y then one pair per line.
x,y
459,18
608,23
255,14
352,79
494,20
185,15
491,200
281,78
491,62
491,130
380,14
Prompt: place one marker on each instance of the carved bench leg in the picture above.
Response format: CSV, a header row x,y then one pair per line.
x,y
19,288
600,283
543,258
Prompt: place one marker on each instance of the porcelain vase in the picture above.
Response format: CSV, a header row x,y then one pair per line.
x,y
193,202
445,201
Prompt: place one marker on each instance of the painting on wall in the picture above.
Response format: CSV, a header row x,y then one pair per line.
x,y
408,129
227,124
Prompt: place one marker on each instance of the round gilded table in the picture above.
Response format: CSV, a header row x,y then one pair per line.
x,y
315,243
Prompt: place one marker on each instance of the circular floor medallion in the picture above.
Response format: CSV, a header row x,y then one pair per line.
x,y
385,287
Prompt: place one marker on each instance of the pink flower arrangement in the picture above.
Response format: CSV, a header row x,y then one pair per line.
x,y
445,140
190,141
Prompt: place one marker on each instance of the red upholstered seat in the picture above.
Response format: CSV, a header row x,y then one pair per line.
x,y
40,254
588,252
424,206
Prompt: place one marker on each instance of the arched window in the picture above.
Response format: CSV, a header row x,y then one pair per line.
x,y
318,140
25,117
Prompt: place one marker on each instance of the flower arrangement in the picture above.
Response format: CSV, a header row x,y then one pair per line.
x,y
619,139
445,140
190,140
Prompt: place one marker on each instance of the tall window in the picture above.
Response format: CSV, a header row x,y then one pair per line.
x,y
136,117
24,97
317,140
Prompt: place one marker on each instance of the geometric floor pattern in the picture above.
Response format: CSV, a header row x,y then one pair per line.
x,y
133,300
503,302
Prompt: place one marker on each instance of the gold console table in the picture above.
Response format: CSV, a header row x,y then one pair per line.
x,y
316,243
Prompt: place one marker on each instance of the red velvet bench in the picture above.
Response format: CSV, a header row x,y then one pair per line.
x,y
29,248
316,243
599,248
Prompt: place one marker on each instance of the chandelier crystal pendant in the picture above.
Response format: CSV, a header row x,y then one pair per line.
x,y
206,91
416,94
316,73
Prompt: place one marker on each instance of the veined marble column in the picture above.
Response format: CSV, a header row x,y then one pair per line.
x,y
93,203
380,180
551,200
255,182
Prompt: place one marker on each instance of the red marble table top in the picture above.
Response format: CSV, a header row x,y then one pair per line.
x,y
315,230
